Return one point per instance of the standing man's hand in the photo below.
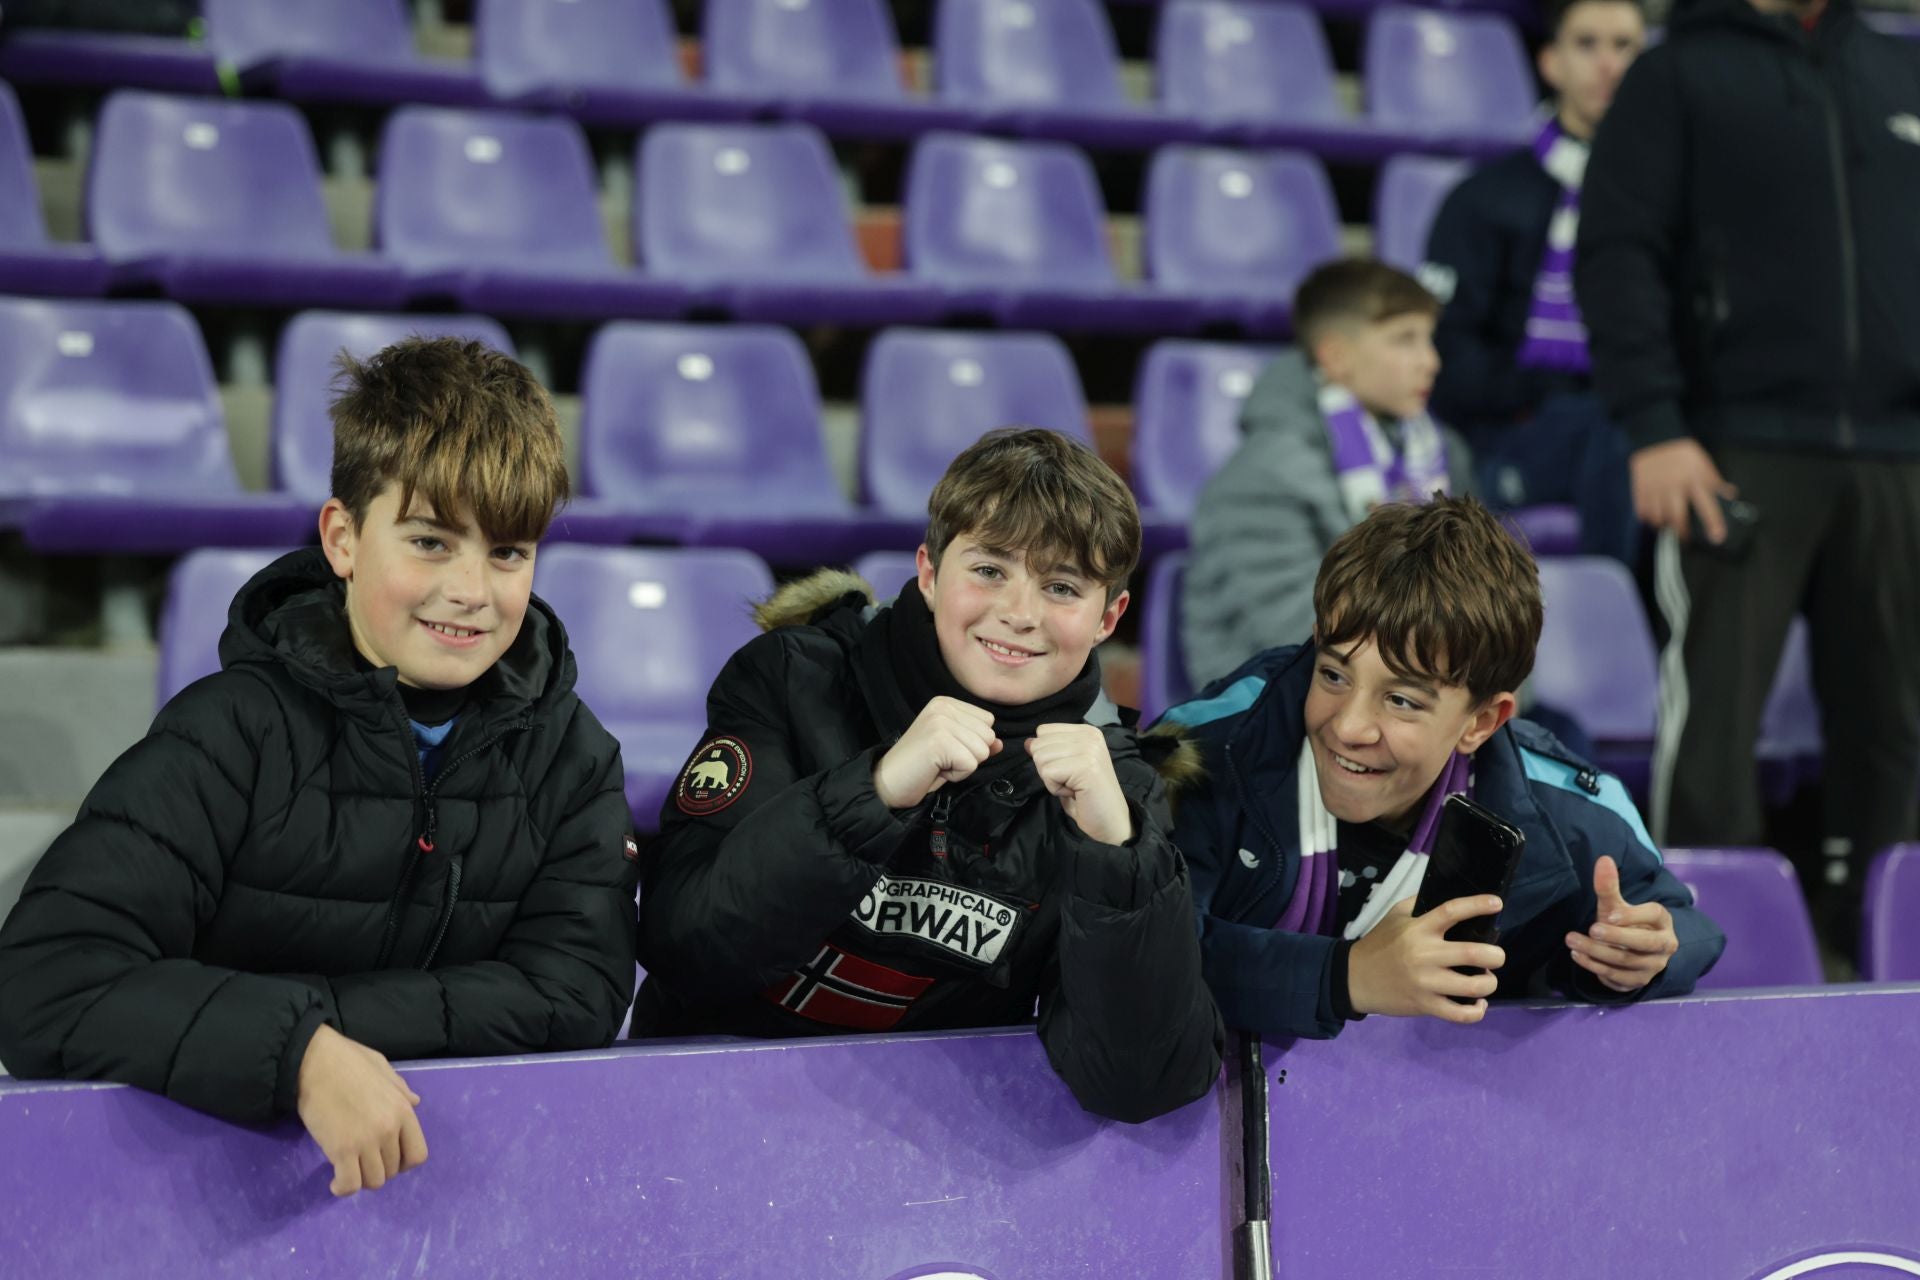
(1675, 478)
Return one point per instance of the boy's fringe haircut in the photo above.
(1356, 291)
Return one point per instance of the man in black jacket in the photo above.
(928, 815)
(387, 829)
(1748, 262)
(1514, 369)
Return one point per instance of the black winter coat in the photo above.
(783, 898)
(1749, 256)
(255, 866)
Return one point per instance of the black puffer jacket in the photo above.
(1749, 242)
(783, 898)
(255, 866)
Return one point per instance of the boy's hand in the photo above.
(1073, 761)
(946, 742)
(1674, 478)
(359, 1111)
(1404, 966)
(1627, 946)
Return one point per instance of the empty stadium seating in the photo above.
(358, 51)
(1187, 401)
(1753, 895)
(1889, 942)
(29, 261)
(199, 592)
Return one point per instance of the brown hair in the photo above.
(1557, 11)
(1356, 291)
(1043, 494)
(1442, 589)
(461, 423)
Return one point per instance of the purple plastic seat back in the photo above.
(21, 225)
(202, 176)
(199, 591)
(752, 201)
(488, 188)
(651, 627)
(704, 418)
(523, 46)
(887, 571)
(1163, 664)
(1753, 895)
(926, 395)
(108, 398)
(1238, 222)
(983, 211)
(823, 48)
(247, 33)
(1431, 70)
(1243, 60)
(1187, 403)
(1409, 192)
(1596, 661)
(1889, 942)
(1790, 725)
(1026, 52)
(302, 454)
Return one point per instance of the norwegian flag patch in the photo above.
(847, 991)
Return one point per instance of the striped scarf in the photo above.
(1371, 470)
(1556, 335)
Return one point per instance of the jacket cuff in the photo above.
(1654, 424)
(286, 1089)
(855, 814)
(1339, 995)
(1590, 990)
(1120, 876)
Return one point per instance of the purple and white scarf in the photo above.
(1316, 890)
(1556, 334)
(1370, 469)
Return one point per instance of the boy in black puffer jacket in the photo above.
(387, 829)
(928, 815)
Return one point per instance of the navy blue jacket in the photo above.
(1240, 836)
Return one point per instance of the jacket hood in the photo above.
(292, 614)
(1288, 391)
(804, 599)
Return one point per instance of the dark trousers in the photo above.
(1569, 451)
(1838, 538)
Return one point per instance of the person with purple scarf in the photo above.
(1327, 764)
(1515, 376)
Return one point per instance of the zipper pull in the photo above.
(942, 807)
(426, 838)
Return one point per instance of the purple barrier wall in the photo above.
(831, 1158)
(1724, 1136)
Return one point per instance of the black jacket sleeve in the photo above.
(734, 898)
(1479, 383)
(1632, 216)
(1125, 1014)
(97, 979)
(562, 976)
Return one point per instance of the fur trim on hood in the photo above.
(804, 599)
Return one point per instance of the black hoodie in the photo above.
(269, 857)
(1749, 257)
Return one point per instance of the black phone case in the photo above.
(1475, 851)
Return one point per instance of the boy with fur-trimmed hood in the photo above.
(926, 814)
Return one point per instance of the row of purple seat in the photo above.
(220, 203)
(1234, 71)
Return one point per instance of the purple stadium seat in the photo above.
(887, 571)
(1754, 896)
(1018, 230)
(113, 436)
(498, 211)
(302, 453)
(1596, 661)
(1186, 405)
(1163, 667)
(711, 436)
(1238, 230)
(927, 395)
(219, 202)
(753, 217)
(108, 60)
(834, 63)
(1549, 530)
(1246, 67)
(1043, 67)
(29, 262)
(1791, 745)
(650, 629)
(339, 51)
(1889, 940)
(1462, 77)
(199, 592)
(1406, 197)
(606, 62)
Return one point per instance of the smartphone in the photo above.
(1741, 518)
(1475, 851)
